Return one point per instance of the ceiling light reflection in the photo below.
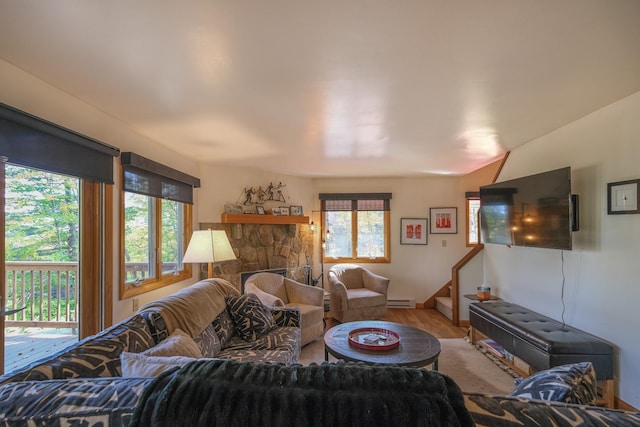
(355, 125)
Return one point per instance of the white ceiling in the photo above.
(333, 88)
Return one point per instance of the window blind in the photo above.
(355, 201)
(144, 176)
(29, 141)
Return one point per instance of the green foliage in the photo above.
(32, 288)
(49, 311)
(171, 230)
(42, 216)
(139, 214)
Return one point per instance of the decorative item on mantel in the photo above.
(234, 208)
(259, 196)
(263, 205)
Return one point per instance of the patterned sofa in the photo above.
(85, 386)
(230, 393)
(199, 310)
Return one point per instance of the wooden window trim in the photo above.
(468, 217)
(159, 280)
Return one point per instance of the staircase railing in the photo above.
(455, 282)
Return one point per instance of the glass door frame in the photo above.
(95, 260)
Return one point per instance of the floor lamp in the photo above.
(209, 246)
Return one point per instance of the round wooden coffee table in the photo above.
(417, 347)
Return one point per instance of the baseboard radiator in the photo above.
(401, 303)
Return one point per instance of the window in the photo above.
(50, 154)
(153, 226)
(156, 225)
(356, 227)
(473, 219)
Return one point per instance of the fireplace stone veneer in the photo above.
(263, 247)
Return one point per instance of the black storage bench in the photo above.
(541, 341)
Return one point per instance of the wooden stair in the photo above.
(441, 301)
(444, 305)
(445, 300)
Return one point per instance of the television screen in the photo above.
(531, 211)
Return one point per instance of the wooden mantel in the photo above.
(229, 218)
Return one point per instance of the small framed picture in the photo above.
(622, 197)
(444, 220)
(284, 210)
(296, 210)
(260, 210)
(275, 211)
(413, 231)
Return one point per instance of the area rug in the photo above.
(469, 367)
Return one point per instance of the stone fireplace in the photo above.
(263, 247)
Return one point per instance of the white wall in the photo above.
(222, 185)
(25, 92)
(601, 290)
(469, 278)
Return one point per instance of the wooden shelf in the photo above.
(228, 218)
(521, 370)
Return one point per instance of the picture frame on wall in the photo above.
(444, 220)
(413, 231)
(296, 210)
(284, 210)
(622, 197)
(260, 210)
(275, 211)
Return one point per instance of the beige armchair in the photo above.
(356, 293)
(274, 290)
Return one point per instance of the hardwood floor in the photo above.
(427, 319)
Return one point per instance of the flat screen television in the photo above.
(534, 211)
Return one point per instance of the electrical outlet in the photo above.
(136, 304)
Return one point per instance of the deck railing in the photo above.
(47, 291)
(136, 272)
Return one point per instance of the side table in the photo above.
(474, 297)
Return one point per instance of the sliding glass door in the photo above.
(42, 258)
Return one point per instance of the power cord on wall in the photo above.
(562, 289)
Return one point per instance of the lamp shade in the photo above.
(209, 246)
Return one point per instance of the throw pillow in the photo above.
(223, 325)
(250, 317)
(208, 342)
(574, 383)
(179, 343)
(138, 365)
